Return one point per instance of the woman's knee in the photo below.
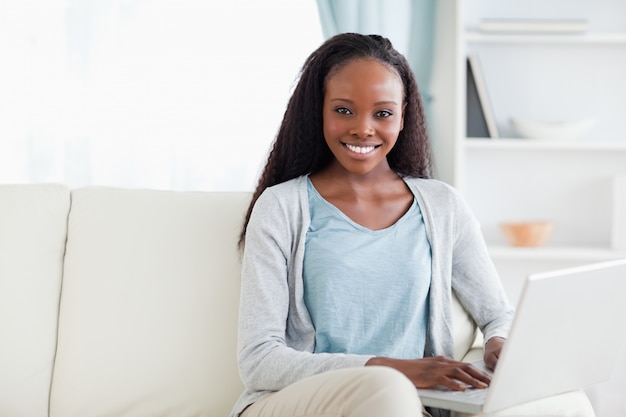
(384, 391)
(381, 377)
(352, 392)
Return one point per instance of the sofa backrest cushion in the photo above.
(33, 224)
(148, 317)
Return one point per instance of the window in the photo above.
(181, 95)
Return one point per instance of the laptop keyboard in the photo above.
(473, 393)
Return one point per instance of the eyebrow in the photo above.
(378, 103)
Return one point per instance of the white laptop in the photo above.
(566, 334)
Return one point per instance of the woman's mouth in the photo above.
(361, 149)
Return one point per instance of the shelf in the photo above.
(555, 253)
(568, 180)
(587, 38)
(543, 145)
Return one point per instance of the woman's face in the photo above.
(363, 115)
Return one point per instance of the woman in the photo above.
(351, 252)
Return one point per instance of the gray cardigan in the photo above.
(276, 336)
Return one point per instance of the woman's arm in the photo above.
(477, 284)
(493, 347)
(270, 356)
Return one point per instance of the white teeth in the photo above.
(360, 149)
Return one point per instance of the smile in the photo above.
(361, 149)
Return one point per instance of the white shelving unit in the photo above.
(594, 38)
(537, 77)
(581, 185)
(517, 144)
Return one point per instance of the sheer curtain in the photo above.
(183, 94)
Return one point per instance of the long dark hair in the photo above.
(300, 149)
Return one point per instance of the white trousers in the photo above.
(376, 391)
(372, 391)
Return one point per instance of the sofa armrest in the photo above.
(465, 329)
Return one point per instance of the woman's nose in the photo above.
(362, 128)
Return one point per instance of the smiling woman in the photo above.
(158, 94)
(351, 251)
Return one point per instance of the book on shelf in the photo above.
(555, 26)
(481, 122)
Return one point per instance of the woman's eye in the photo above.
(383, 114)
(343, 110)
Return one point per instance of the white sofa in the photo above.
(119, 302)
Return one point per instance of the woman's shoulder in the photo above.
(432, 187)
(289, 189)
(434, 194)
(285, 194)
(289, 185)
(280, 205)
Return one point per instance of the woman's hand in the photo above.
(492, 352)
(437, 371)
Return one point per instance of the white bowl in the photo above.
(552, 130)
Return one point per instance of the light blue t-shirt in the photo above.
(366, 290)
